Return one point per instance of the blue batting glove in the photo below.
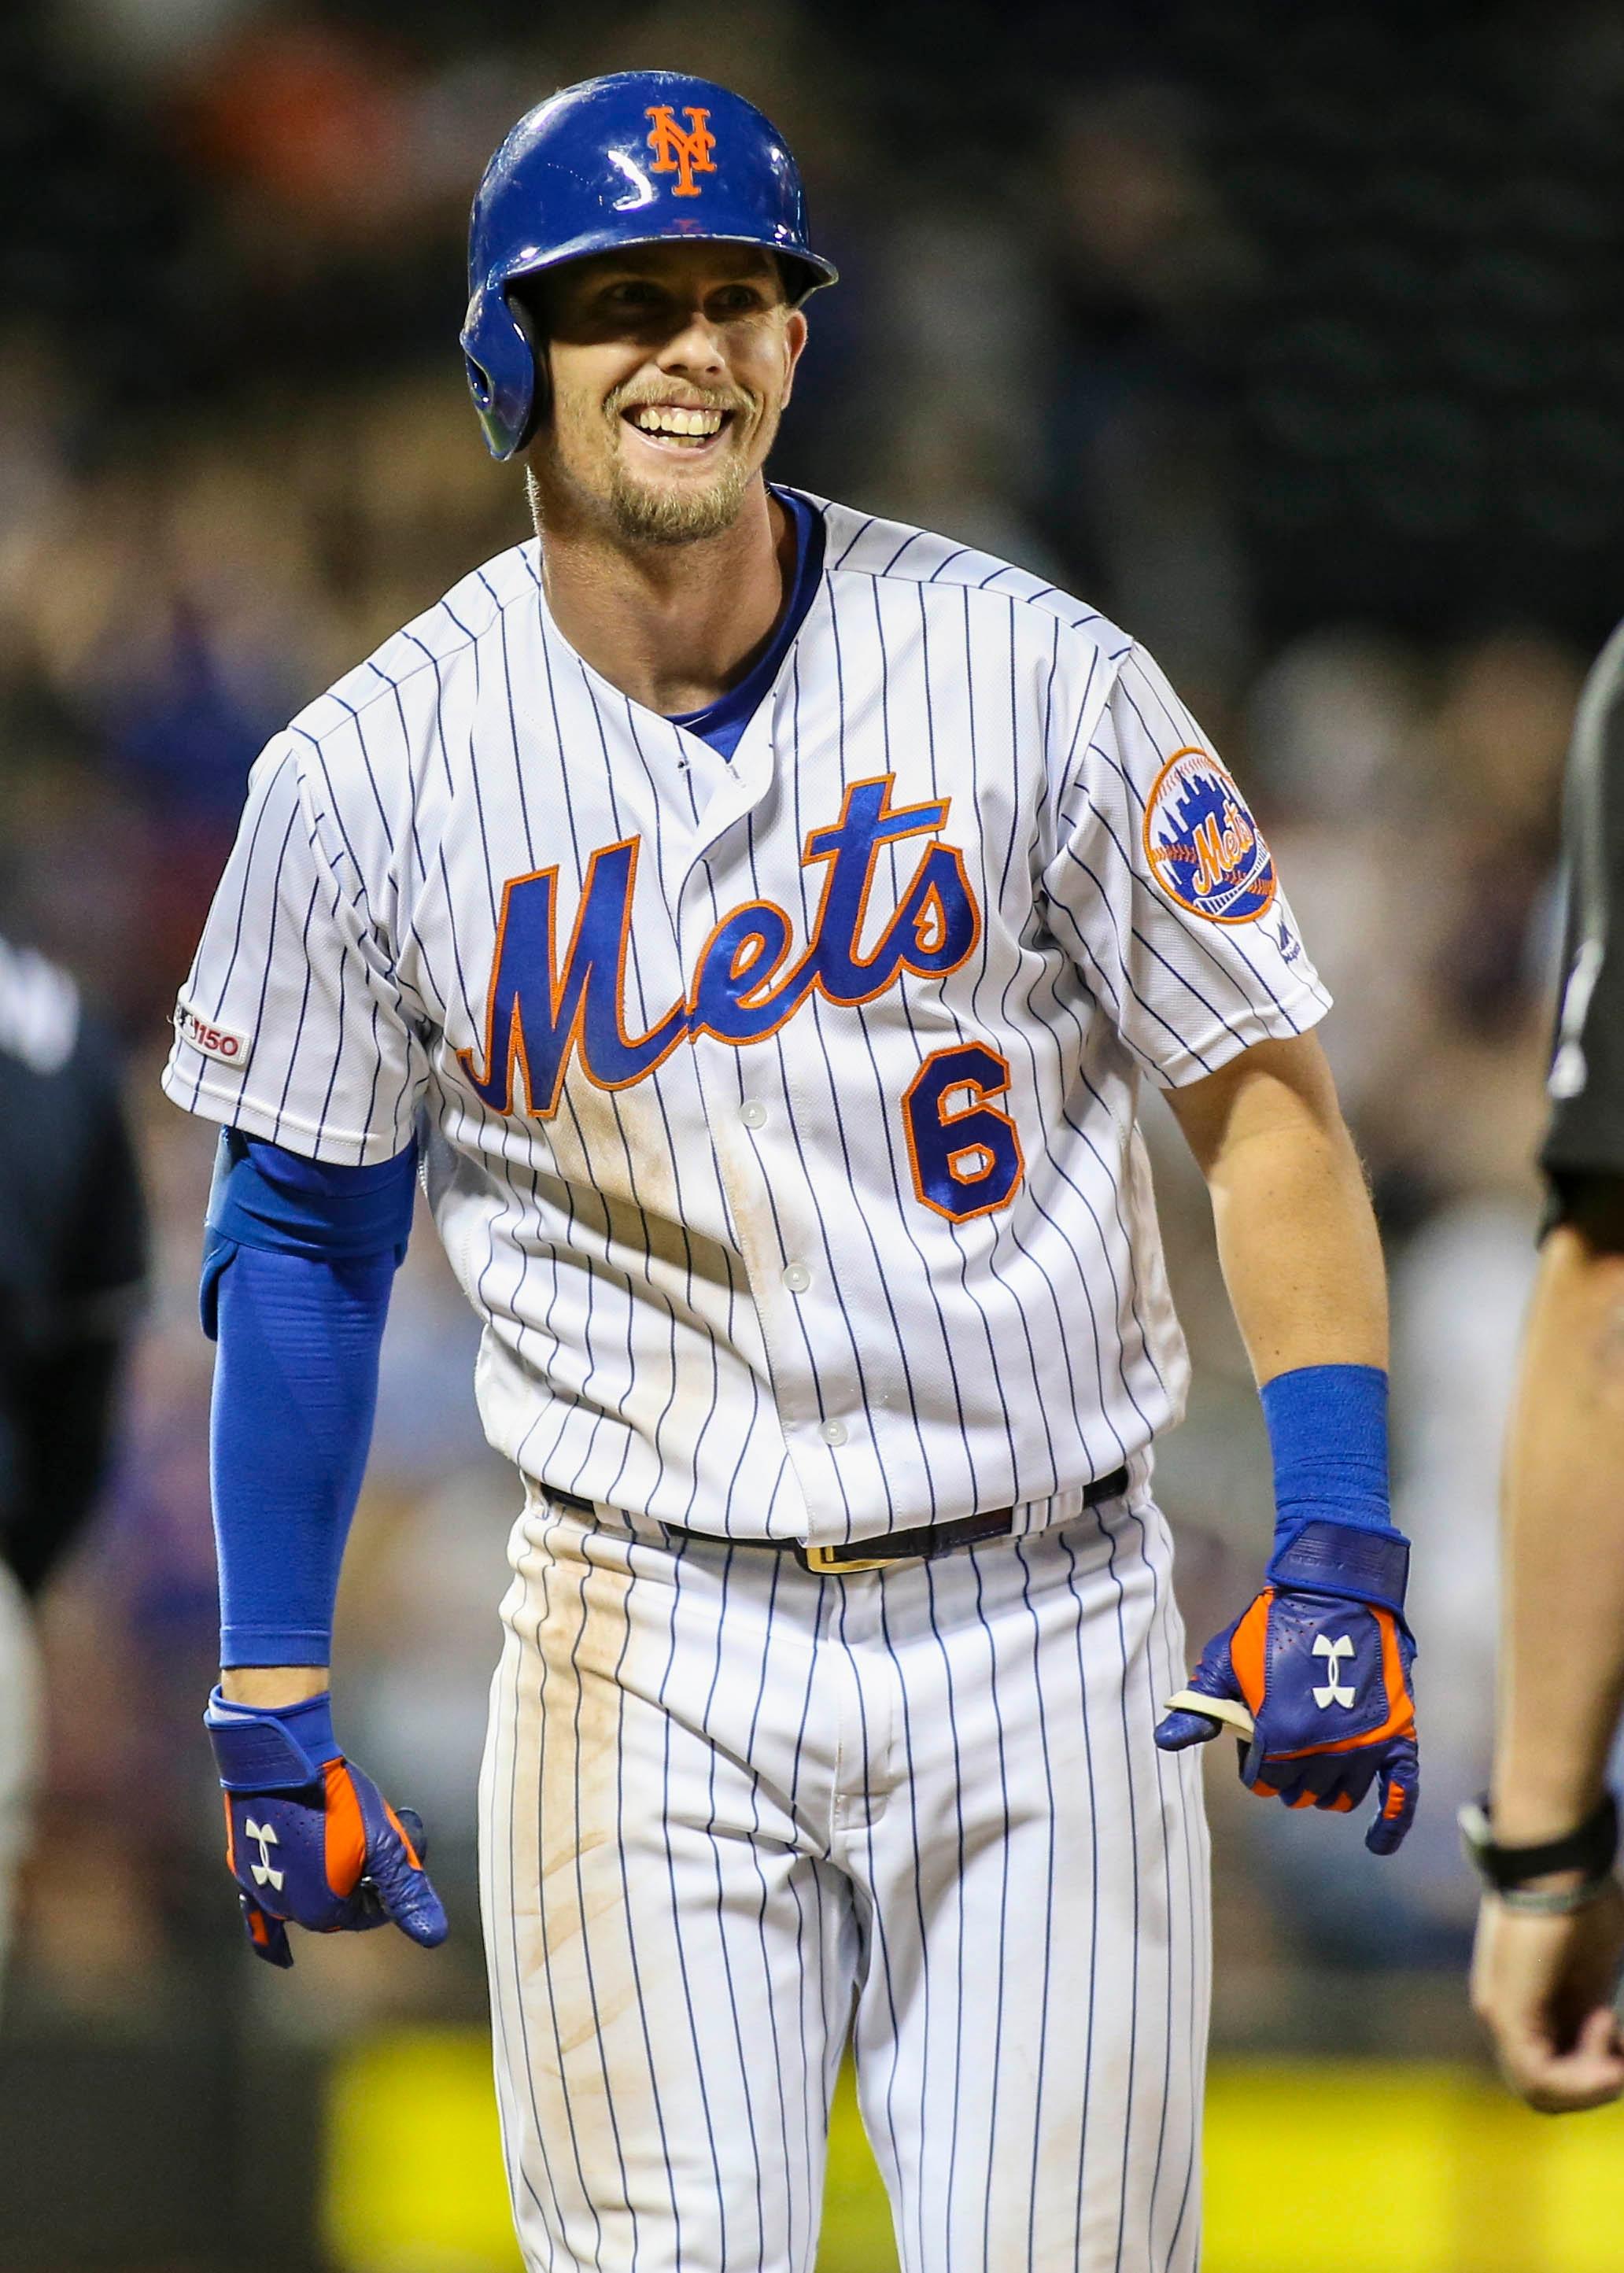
(309, 1838)
(1314, 1678)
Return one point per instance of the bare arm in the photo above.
(1564, 1538)
(1296, 1237)
(1302, 1261)
(1544, 1986)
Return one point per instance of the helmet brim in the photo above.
(813, 270)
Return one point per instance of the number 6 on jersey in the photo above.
(965, 1157)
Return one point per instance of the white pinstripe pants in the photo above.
(727, 1805)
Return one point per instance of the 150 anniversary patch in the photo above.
(1203, 848)
(214, 1041)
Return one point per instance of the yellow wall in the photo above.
(1360, 2167)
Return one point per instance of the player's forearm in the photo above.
(1296, 1237)
(1301, 1256)
(1297, 1241)
(296, 1384)
(1562, 1622)
(297, 1279)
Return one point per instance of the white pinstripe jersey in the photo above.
(778, 1110)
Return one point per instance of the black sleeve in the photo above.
(1586, 1133)
(90, 1254)
(102, 1253)
(61, 1453)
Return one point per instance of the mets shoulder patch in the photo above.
(1203, 846)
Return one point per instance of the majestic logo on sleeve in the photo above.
(1203, 848)
(746, 981)
(680, 154)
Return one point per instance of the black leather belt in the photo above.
(924, 1540)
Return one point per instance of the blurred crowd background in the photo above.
(1292, 337)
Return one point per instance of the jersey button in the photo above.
(797, 1278)
(753, 1113)
(833, 1432)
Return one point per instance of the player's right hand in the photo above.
(310, 1839)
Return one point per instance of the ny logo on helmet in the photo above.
(680, 154)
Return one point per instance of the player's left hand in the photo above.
(1544, 1989)
(1317, 1685)
(310, 1839)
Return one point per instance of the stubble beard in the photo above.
(638, 511)
(645, 513)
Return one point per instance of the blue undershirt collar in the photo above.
(723, 722)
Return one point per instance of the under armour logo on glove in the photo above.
(1274, 1674)
(346, 1861)
(265, 1835)
(1333, 1652)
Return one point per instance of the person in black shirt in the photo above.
(1551, 1930)
(72, 1258)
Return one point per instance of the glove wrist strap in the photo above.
(1361, 1565)
(264, 1748)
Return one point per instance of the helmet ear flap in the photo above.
(502, 369)
(524, 306)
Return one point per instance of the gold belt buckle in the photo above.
(821, 1560)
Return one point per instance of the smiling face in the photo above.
(669, 365)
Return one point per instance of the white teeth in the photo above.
(672, 418)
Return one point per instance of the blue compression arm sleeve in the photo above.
(297, 1268)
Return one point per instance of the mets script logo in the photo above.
(746, 981)
(680, 154)
(1204, 849)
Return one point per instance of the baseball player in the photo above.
(72, 1259)
(1551, 1931)
(758, 918)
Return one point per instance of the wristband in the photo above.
(1328, 1428)
(1550, 1903)
(1508, 1870)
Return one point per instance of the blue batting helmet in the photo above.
(631, 159)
